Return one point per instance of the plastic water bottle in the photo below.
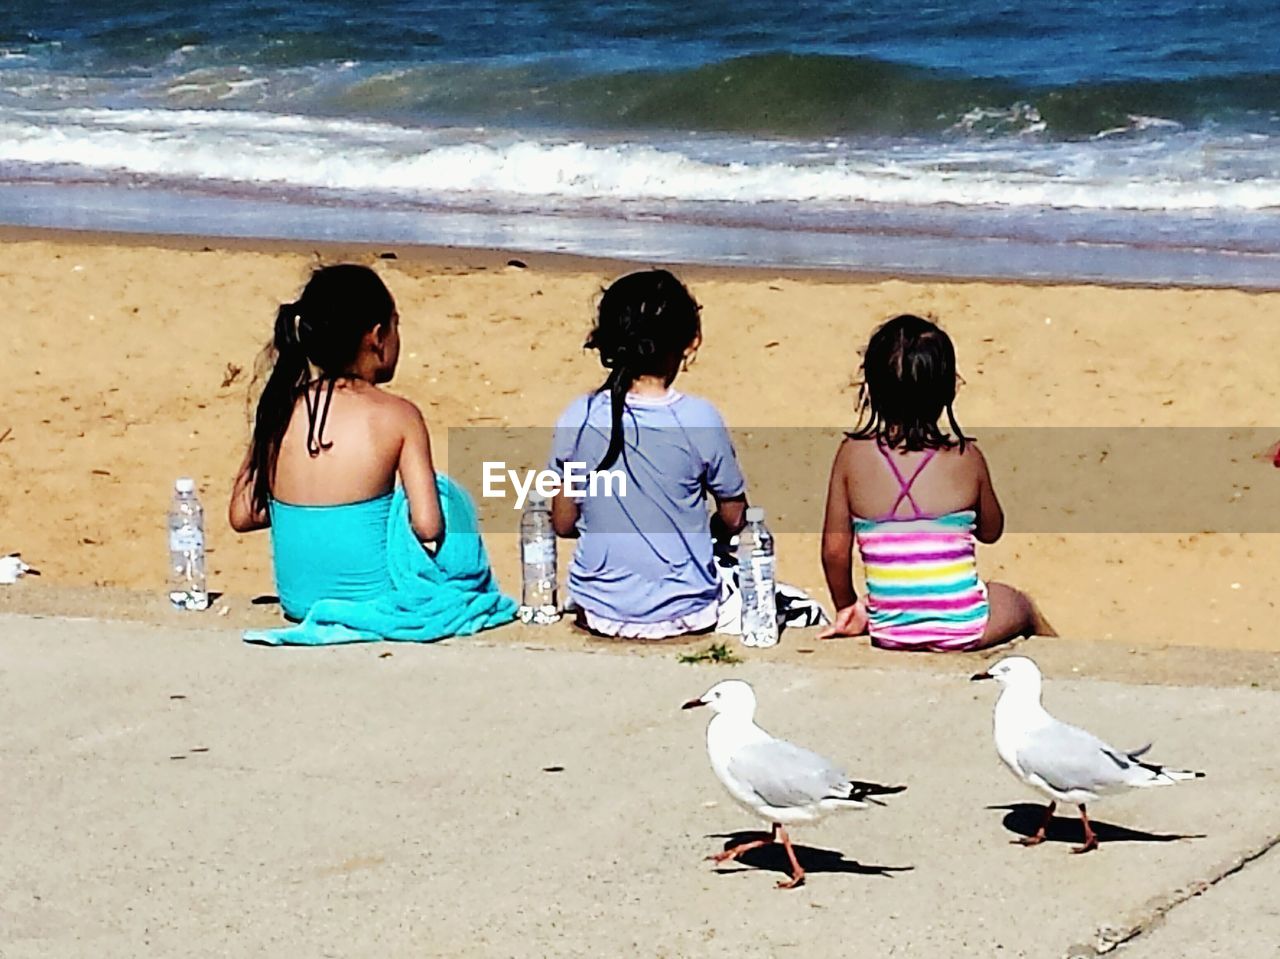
(187, 586)
(537, 563)
(755, 575)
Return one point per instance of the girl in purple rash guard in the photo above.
(643, 567)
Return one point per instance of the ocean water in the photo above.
(1105, 139)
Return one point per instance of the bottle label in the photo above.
(759, 605)
(760, 569)
(539, 552)
(186, 539)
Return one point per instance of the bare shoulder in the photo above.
(972, 458)
(854, 453)
(847, 454)
(404, 411)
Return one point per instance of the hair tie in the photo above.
(288, 325)
(302, 329)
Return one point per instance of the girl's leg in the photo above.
(1012, 614)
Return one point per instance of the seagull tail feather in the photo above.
(1163, 776)
(1179, 774)
(863, 792)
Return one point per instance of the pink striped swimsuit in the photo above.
(923, 590)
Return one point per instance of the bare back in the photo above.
(894, 484)
(874, 483)
(364, 440)
(360, 447)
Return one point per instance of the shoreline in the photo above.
(918, 253)
(428, 256)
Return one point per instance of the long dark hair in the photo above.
(324, 329)
(908, 380)
(644, 324)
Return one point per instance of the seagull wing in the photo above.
(786, 776)
(1067, 758)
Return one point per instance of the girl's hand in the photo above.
(850, 621)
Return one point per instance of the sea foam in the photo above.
(1178, 171)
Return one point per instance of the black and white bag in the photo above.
(795, 606)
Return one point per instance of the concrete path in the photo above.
(1239, 917)
(170, 792)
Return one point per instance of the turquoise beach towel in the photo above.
(452, 593)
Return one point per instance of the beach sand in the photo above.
(129, 361)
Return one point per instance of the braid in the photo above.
(618, 384)
(645, 322)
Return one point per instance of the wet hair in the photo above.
(322, 329)
(908, 381)
(645, 322)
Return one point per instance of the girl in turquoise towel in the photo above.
(329, 443)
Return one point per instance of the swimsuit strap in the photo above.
(904, 484)
(315, 424)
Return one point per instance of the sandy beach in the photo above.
(1083, 196)
(130, 361)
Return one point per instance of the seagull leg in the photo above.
(1038, 838)
(797, 874)
(733, 852)
(1090, 838)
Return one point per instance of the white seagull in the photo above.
(780, 782)
(1062, 762)
(12, 569)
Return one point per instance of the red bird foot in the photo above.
(796, 880)
(1090, 842)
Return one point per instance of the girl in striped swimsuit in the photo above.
(914, 499)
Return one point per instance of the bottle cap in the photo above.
(184, 485)
(535, 499)
(755, 514)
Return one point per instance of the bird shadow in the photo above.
(1024, 819)
(773, 858)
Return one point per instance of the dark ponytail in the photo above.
(323, 329)
(289, 375)
(645, 322)
(619, 385)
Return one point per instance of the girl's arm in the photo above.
(240, 512)
(564, 516)
(837, 534)
(418, 477)
(990, 521)
(729, 518)
(723, 479)
(837, 552)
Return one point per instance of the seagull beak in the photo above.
(693, 704)
(976, 676)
